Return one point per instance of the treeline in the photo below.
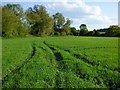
(37, 21)
(111, 31)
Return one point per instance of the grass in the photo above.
(0, 63)
(0, 59)
(60, 62)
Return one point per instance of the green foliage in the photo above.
(9, 23)
(90, 33)
(40, 21)
(74, 31)
(12, 21)
(66, 27)
(55, 62)
(0, 62)
(37, 21)
(61, 25)
(59, 20)
(15, 9)
(113, 30)
(23, 30)
(83, 29)
(96, 33)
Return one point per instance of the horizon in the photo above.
(96, 15)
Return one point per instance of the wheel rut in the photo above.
(56, 53)
(18, 68)
(78, 56)
(58, 58)
(84, 59)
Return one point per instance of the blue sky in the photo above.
(96, 14)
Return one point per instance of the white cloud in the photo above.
(86, 8)
(57, 0)
(80, 12)
(79, 5)
(100, 18)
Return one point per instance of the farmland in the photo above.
(60, 62)
(0, 58)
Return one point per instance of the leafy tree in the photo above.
(9, 22)
(59, 21)
(23, 30)
(66, 27)
(12, 20)
(96, 33)
(61, 25)
(91, 33)
(83, 29)
(39, 20)
(113, 30)
(74, 31)
(16, 9)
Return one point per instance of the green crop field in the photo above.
(60, 62)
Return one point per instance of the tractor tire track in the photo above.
(78, 56)
(89, 48)
(18, 68)
(58, 58)
(58, 80)
(57, 54)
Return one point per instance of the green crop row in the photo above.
(60, 62)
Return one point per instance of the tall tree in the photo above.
(59, 21)
(74, 31)
(16, 9)
(40, 21)
(12, 20)
(9, 22)
(66, 27)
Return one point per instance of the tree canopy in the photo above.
(83, 29)
(39, 20)
(113, 30)
(59, 20)
(12, 21)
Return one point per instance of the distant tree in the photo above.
(59, 20)
(90, 33)
(66, 27)
(113, 30)
(40, 21)
(61, 24)
(96, 33)
(74, 31)
(83, 29)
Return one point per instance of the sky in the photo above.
(95, 13)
